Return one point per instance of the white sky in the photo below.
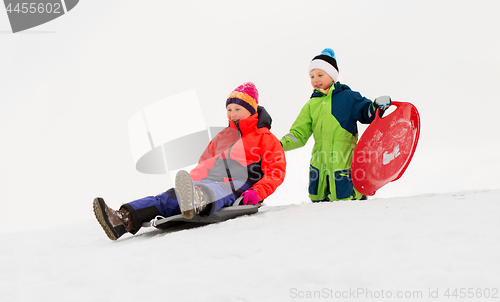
(69, 87)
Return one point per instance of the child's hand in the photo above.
(250, 197)
(382, 103)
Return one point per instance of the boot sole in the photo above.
(100, 215)
(185, 193)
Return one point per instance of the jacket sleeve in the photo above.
(300, 132)
(363, 110)
(273, 166)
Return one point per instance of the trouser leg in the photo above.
(147, 208)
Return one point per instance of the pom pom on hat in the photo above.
(328, 52)
(245, 95)
(250, 89)
(327, 62)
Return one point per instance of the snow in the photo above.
(412, 244)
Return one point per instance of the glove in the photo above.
(250, 197)
(382, 103)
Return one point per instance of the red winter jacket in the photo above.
(246, 153)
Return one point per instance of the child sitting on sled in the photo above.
(330, 116)
(242, 160)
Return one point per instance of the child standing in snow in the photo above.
(242, 160)
(330, 116)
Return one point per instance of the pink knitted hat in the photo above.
(245, 95)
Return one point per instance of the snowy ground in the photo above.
(71, 86)
(363, 251)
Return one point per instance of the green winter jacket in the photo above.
(331, 119)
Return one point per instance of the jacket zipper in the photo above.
(228, 157)
(239, 137)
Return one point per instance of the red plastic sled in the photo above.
(385, 149)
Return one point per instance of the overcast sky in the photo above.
(70, 87)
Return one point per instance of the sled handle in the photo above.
(237, 201)
(395, 103)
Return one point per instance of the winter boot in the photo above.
(114, 223)
(204, 200)
(192, 199)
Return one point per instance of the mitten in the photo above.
(382, 103)
(250, 197)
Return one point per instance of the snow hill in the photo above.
(418, 248)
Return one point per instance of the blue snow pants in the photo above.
(165, 204)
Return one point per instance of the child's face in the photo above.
(320, 79)
(236, 112)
